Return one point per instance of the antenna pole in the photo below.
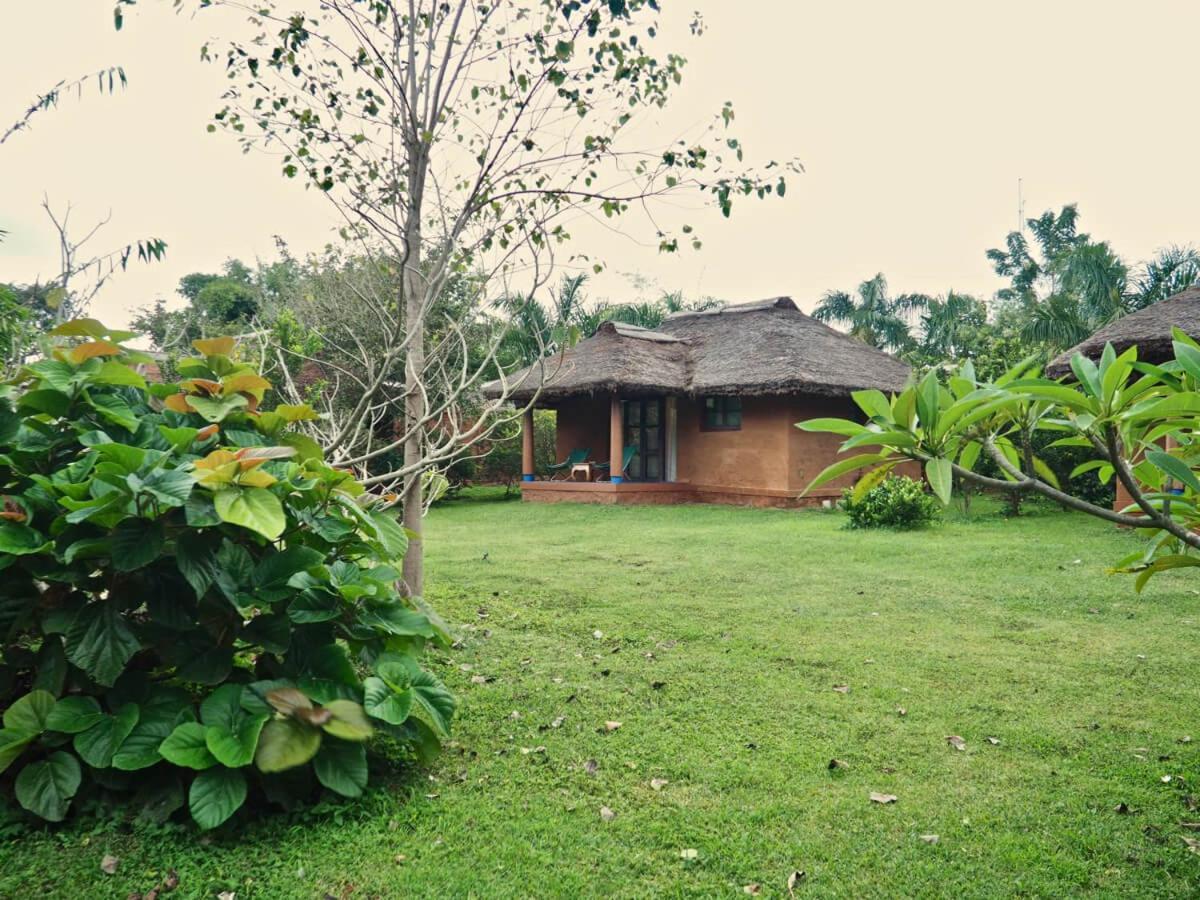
(1020, 208)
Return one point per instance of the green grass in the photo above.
(723, 634)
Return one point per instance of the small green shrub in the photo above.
(895, 502)
(193, 604)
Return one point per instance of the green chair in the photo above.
(626, 458)
(574, 458)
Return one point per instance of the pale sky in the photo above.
(914, 122)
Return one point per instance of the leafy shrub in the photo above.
(895, 502)
(192, 602)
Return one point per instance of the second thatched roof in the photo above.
(1149, 328)
(768, 347)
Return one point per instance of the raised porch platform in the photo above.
(647, 492)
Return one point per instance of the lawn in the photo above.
(716, 638)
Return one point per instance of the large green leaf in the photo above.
(432, 698)
(396, 619)
(231, 732)
(254, 508)
(349, 721)
(136, 543)
(29, 713)
(384, 703)
(169, 487)
(215, 409)
(342, 767)
(186, 746)
(832, 426)
(100, 642)
(390, 533)
(277, 568)
(17, 539)
(196, 557)
(1175, 467)
(873, 403)
(97, 745)
(71, 715)
(1188, 357)
(841, 467)
(314, 606)
(114, 409)
(12, 745)
(51, 665)
(160, 713)
(215, 795)
(941, 478)
(118, 374)
(46, 787)
(285, 744)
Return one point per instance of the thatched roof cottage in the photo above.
(702, 408)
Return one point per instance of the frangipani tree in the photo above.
(1139, 422)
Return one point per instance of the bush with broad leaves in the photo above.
(893, 501)
(194, 606)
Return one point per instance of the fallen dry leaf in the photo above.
(109, 864)
(1192, 843)
(838, 764)
(401, 859)
(877, 797)
(794, 879)
(1191, 826)
(591, 766)
(689, 854)
(607, 814)
(227, 895)
(611, 726)
(1186, 739)
(597, 634)
(956, 742)
(842, 688)
(901, 711)
(1166, 779)
(1122, 809)
(658, 783)
(557, 723)
(992, 740)
(172, 880)
(930, 838)
(479, 679)
(752, 889)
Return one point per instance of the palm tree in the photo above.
(1172, 270)
(947, 324)
(872, 316)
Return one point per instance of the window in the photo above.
(722, 414)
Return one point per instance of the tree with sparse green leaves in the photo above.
(1138, 423)
(465, 138)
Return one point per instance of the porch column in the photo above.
(527, 445)
(616, 446)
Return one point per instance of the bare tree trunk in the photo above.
(414, 411)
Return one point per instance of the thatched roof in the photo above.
(768, 347)
(1149, 328)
